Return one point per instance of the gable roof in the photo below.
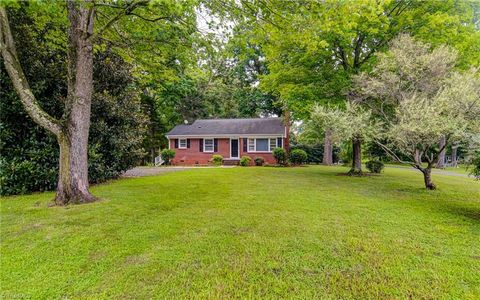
(225, 127)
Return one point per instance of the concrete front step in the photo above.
(230, 162)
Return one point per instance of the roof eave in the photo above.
(242, 135)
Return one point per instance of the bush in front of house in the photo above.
(259, 161)
(245, 161)
(217, 159)
(167, 155)
(280, 156)
(298, 157)
(374, 166)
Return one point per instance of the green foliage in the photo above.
(346, 153)
(313, 50)
(259, 161)
(354, 122)
(217, 159)
(422, 98)
(298, 156)
(475, 171)
(245, 161)
(314, 152)
(280, 156)
(374, 166)
(168, 155)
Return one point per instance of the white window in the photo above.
(251, 145)
(182, 143)
(273, 144)
(262, 144)
(208, 145)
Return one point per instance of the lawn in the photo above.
(248, 233)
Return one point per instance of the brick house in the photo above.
(231, 138)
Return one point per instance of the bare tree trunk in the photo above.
(73, 170)
(73, 173)
(357, 157)
(441, 155)
(427, 177)
(328, 149)
(454, 156)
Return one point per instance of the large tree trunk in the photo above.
(73, 169)
(73, 172)
(427, 177)
(441, 155)
(357, 157)
(328, 149)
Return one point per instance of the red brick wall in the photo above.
(192, 155)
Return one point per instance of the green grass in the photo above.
(248, 233)
(462, 169)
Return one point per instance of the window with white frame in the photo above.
(262, 144)
(251, 145)
(273, 144)
(208, 145)
(182, 143)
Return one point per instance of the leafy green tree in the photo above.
(72, 128)
(313, 49)
(29, 156)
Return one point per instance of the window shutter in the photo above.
(245, 145)
(176, 143)
(188, 143)
(200, 145)
(279, 142)
(215, 145)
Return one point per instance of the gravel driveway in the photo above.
(150, 171)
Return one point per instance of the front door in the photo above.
(234, 148)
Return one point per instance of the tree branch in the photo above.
(147, 19)
(392, 154)
(20, 83)
(128, 9)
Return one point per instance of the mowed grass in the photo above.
(248, 233)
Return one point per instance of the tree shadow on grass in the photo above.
(471, 213)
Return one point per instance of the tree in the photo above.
(29, 155)
(313, 49)
(352, 124)
(72, 129)
(420, 98)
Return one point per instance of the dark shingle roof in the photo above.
(259, 126)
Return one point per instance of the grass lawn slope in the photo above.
(248, 232)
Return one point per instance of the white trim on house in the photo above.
(180, 143)
(213, 145)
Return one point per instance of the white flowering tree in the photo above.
(351, 124)
(421, 99)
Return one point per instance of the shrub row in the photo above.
(297, 157)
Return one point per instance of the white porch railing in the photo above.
(159, 161)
